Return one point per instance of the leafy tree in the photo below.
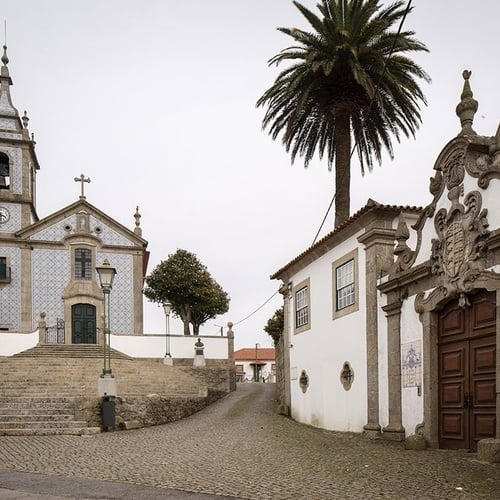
(328, 95)
(214, 301)
(275, 325)
(186, 283)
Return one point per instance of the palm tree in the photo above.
(349, 80)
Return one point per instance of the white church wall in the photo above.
(10, 293)
(12, 343)
(181, 346)
(322, 351)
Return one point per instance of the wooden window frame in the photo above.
(339, 263)
(306, 286)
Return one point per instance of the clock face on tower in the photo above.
(4, 215)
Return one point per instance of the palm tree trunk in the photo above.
(342, 167)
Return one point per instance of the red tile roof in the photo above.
(248, 354)
(370, 205)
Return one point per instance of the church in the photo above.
(48, 265)
(391, 324)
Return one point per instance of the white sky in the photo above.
(155, 102)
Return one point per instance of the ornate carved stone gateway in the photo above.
(459, 252)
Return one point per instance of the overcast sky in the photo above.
(155, 102)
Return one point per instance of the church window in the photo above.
(302, 306)
(83, 264)
(4, 270)
(4, 171)
(345, 284)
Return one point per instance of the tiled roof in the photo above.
(370, 205)
(248, 354)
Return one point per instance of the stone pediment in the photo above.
(81, 220)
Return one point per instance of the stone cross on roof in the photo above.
(82, 180)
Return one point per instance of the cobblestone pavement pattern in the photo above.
(238, 447)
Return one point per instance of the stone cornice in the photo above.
(377, 236)
(405, 278)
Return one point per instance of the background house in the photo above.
(255, 364)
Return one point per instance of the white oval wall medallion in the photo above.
(347, 375)
(304, 381)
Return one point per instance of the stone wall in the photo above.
(134, 412)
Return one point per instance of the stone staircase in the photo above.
(43, 389)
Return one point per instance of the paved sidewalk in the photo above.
(239, 448)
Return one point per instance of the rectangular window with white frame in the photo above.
(302, 308)
(345, 284)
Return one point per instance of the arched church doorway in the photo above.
(467, 371)
(83, 324)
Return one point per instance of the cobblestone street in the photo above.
(240, 448)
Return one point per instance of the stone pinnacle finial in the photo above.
(467, 107)
(5, 59)
(25, 119)
(137, 217)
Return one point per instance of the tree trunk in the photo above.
(186, 318)
(342, 167)
(196, 329)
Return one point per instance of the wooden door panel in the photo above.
(483, 358)
(452, 394)
(453, 360)
(452, 321)
(453, 426)
(483, 312)
(467, 372)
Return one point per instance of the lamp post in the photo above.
(167, 308)
(106, 276)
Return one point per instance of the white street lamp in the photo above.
(167, 308)
(106, 276)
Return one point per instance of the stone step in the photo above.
(52, 399)
(31, 417)
(75, 431)
(70, 351)
(20, 411)
(41, 424)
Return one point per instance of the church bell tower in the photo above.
(18, 162)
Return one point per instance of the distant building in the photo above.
(256, 364)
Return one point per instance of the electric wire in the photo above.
(256, 310)
(369, 109)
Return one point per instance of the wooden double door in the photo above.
(83, 324)
(467, 373)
